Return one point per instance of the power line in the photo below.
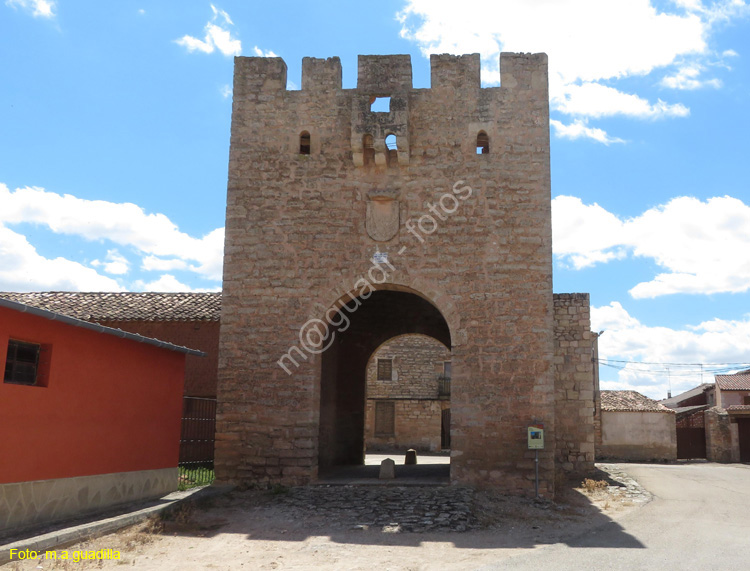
(743, 364)
(667, 369)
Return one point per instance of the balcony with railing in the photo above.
(444, 386)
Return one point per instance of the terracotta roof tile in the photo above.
(630, 401)
(738, 382)
(739, 407)
(147, 306)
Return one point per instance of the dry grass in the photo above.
(592, 486)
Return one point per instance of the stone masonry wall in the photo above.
(470, 233)
(722, 437)
(417, 426)
(574, 383)
(417, 362)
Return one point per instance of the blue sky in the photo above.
(114, 139)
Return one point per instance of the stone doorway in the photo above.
(385, 314)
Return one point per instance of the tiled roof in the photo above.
(675, 401)
(630, 401)
(125, 306)
(738, 382)
(59, 317)
(688, 410)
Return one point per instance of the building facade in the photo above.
(90, 416)
(408, 395)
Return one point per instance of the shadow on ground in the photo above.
(410, 515)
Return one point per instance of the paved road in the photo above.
(699, 519)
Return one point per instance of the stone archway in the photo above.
(383, 315)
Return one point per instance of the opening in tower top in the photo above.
(380, 105)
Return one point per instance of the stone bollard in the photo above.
(387, 469)
(411, 457)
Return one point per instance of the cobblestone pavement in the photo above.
(394, 509)
(435, 508)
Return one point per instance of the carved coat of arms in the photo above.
(383, 218)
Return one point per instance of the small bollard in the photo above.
(387, 469)
(411, 457)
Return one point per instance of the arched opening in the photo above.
(483, 143)
(391, 145)
(368, 149)
(304, 143)
(384, 315)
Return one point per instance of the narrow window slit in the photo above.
(304, 143)
(391, 145)
(368, 149)
(483, 143)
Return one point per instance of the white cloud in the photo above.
(37, 8)
(22, 268)
(153, 236)
(585, 235)
(661, 354)
(115, 263)
(226, 91)
(167, 282)
(260, 53)
(591, 44)
(688, 77)
(154, 263)
(217, 36)
(596, 100)
(578, 129)
(703, 246)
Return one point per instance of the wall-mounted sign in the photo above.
(536, 437)
(380, 258)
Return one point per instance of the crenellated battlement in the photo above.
(382, 75)
(321, 74)
(457, 72)
(455, 113)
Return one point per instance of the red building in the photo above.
(185, 319)
(90, 415)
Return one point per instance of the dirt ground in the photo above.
(260, 530)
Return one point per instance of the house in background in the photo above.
(635, 427)
(728, 424)
(185, 319)
(713, 419)
(703, 394)
(90, 416)
(408, 395)
(690, 408)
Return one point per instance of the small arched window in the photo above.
(483, 143)
(391, 145)
(304, 143)
(368, 149)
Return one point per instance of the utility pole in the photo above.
(669, 379)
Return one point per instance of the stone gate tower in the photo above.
(348, 225)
